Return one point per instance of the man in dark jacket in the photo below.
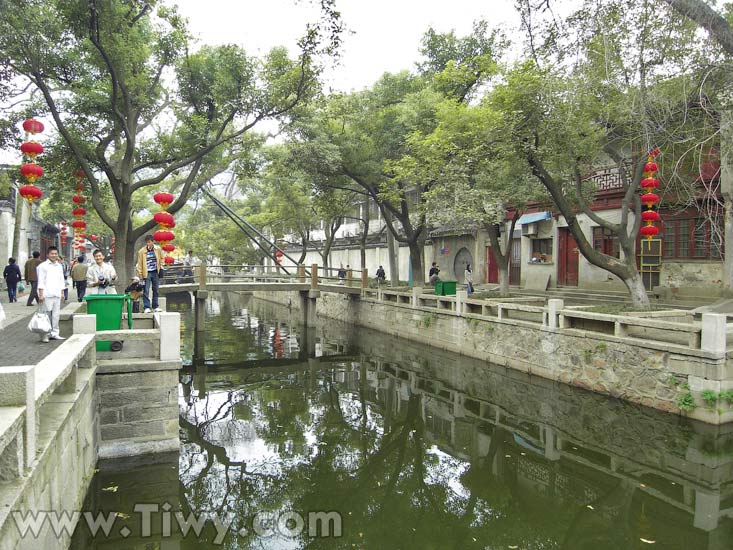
(31, 277)
(12, 277)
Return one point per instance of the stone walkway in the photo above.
(19, 346)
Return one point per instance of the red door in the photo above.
(492, 269)
(567, 274)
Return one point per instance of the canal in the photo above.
(336, 437)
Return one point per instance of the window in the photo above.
(541, 251)
(693, 237)
(606, 242)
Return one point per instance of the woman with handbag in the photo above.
(12, 277)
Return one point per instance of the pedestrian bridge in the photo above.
(259, 278)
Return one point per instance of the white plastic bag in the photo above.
(2, 316)
(40, 323)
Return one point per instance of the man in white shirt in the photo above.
(51, 284)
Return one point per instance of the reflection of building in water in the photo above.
(548, 461)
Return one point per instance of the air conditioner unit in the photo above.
(529, 230)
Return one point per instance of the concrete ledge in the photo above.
(123, 335)
(140, 447)
(134, 365)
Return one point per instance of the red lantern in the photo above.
(168, 247)
(650, 216)
(649, 231)
(649, 183)
(78, 224)
(654, 152)
(79, 212)
(163, 236)
(92, 238)
(33, 126)
(651, 166)
(79, 174)
(163, 199)
(169, 260)
(31, 148)
(164, 219)
(78, 199)
(31, 172)
(30, 193)
(649, 199)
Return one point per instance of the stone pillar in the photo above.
(553, 306)
(202, 276)
(364, 278)
(461, 297)
(199, 306)
(170, 335)
(713, 333)
(301, 273)
(19, 390)
(416, 291)
(314, 276)
(707, 510)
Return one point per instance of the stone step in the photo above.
(126, 335)
(125, 365)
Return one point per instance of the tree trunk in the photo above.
(19, 205)
(726, 188)
(502, 257)
(503, 279)
(637, 291)
(394, 263)
(416, 252)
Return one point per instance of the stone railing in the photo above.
(713, 334)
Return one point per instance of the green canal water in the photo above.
(337, 437)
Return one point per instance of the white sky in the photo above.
(386, 34)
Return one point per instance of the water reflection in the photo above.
(416, 448)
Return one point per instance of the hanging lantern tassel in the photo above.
(649, 184)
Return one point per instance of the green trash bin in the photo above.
(449, 288)
(108, 309)
(439, 288)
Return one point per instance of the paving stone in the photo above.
(19, 346)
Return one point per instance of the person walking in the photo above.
(51, 284)
(468, 277)
(67, 271)
(433, 274)
(101, 276)
(149, 262)
(341, 274)
(381, 276)
(31, 277)
(79, 277)
(12, 277)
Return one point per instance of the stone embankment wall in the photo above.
(653, 374)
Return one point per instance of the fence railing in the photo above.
(25, 389)
(712, 334)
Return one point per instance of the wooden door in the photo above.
(515, 263)
(568, 254)
(492, 268)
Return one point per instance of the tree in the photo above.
(719, 27)
(611, 103)
(134, 109)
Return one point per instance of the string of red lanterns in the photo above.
(79, 211)
(165, 222)
(64, 230)
(649, 184)
(30, 170)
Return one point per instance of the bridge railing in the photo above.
(314, 274)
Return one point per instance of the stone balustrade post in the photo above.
(314, 276)
(19, 390)
(364, 278)
(170, 335)
(301, 273)
(461, 297)
(713, 337)
(349, 276)
(416, 296)
(553, 306)
(202, 276)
